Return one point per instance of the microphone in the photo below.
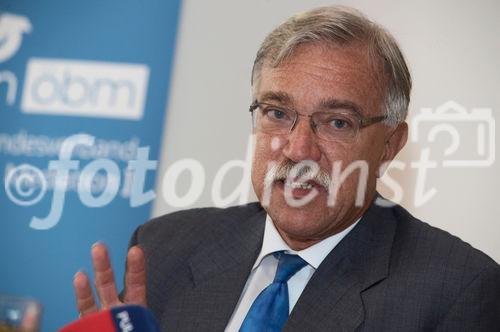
(128, 318)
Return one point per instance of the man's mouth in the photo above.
(300, 185)
(297, 180)
(296, 184)
(299, 189)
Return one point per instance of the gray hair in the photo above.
(342, 26)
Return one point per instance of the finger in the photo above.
(104, 277)
(135, 277)
(85, 302)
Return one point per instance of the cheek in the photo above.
(267, 150)
(370, 153)
(374, 152)
(336, 153)
(272, 144)
(369, 149)
(350, 159)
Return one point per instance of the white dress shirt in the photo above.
(265, 266)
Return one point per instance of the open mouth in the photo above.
(300, 185)
(299, 189)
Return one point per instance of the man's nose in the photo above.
(302, 142)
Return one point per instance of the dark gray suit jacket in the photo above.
(392, 272)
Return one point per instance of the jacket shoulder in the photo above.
(436, 245)
(445, 264)
(190, 225)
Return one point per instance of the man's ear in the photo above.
(394, 143)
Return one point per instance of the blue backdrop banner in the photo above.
(83, 93)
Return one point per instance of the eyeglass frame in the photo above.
(363, 121)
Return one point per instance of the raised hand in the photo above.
(135, 281)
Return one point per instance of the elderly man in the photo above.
(321, 251)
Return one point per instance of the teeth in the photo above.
(300, 185)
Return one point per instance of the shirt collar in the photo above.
(313, 255)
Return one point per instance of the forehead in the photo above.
(315, 73)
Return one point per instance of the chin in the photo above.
(313, 221)
(304, 221)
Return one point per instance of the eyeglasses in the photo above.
(334, 126)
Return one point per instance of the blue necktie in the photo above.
(269, 311)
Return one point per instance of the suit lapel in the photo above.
(333, 298)
(220, 271)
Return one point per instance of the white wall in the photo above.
(454, 54)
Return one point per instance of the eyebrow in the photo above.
(333, 104)
(327, 104)
(276, 96)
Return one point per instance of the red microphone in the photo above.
(129, 318)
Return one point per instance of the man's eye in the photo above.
(276, 114)
(339, 124)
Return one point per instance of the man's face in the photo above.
(312, 78)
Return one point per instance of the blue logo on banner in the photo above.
(83, 92)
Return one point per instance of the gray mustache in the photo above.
(288, 170)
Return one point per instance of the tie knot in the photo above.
(288, 265)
